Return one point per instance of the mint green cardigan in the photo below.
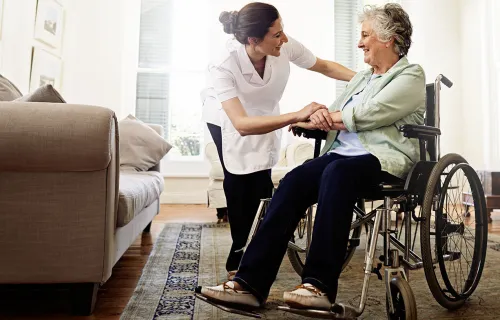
(396, 98)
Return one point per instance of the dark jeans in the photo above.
(243, 194)
(334, 182)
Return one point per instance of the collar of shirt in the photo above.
(247, 67)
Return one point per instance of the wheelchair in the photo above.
(441, 196)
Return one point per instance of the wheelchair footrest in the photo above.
(338, 311)
(231, 308)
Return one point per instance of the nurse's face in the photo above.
(273, 40)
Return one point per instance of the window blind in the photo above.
(152, 91)
(346, 36)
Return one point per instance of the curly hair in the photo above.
(390, 21)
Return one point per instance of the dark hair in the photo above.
(253, 20)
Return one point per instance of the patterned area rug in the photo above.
(187, 255)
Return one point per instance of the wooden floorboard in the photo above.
(48, 303)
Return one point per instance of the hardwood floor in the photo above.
(51, 302)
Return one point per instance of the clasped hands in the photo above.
(322, 119)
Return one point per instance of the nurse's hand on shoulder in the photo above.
(305, 113)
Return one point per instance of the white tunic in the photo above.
(235, 76)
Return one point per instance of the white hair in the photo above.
(390, 21)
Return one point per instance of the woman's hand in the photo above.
(336, 116)
(307, 111)
(322, 120)
(338, 124)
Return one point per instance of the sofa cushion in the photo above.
(8, 91)
(278, 173)
(141, 147)
(45, 93)
(137, 191)
(298, 152)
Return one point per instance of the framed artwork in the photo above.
(49, 22)
(45, 69)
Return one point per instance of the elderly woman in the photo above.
(363, 148)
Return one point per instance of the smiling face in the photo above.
(374, 49)
(273, 40)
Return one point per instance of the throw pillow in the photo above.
(45, 93)
(8, 91)
(141, 147)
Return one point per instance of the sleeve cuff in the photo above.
(348, 119)
(227, 95)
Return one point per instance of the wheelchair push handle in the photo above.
(447, 82)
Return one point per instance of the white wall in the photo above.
(480, 113)
(96, 45)
(17, 41)
(473, 113)
(437, 44)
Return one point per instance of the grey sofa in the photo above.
(67, 213)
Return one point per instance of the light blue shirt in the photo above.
(349, 143)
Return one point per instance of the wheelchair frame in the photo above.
(378, 221)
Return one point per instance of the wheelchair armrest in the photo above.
(310, 134)
(420, 132)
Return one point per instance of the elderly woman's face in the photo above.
(371, 45)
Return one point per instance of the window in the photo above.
(347, 32)
(168, 78)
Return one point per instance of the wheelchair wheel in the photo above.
(403, 300)
(299, 239)
(454, 232)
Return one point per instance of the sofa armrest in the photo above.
(54, 137)
(58, 192)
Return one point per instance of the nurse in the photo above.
(241, 108)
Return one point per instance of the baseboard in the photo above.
(184, 197)
(185, 190)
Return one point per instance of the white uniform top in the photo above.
(235, 76)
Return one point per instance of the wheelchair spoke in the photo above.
(457, 234)
(454, 233)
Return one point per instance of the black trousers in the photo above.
(333, 181)
(243, 193)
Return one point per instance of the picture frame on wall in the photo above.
(45, 69)
(49, 22)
